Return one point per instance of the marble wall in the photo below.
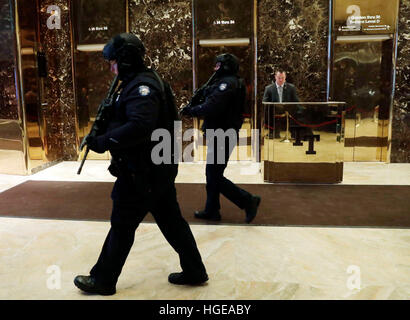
(165, 27)
(292, 35)
(8, 101)
(401, 108)
(60, 114)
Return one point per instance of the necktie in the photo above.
(280, 93)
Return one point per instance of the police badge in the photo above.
(223, 86)
(144, 91)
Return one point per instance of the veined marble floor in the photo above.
(39, 258)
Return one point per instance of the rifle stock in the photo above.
(197, 97)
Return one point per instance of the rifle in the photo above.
(198, 97)
(101, 119)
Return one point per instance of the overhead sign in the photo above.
(98, 21)
(218, 19)
(363, 16)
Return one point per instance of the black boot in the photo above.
(90, 285)
(208, 216)
(182, 278)
(252, 208)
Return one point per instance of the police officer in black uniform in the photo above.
(222, 108)
(141, 186)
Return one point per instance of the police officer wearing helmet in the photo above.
(222, 108)
(141, 186)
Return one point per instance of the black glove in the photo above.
(97, 144)
(185, 111)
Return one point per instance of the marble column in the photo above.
(165, 27)
(60, 114)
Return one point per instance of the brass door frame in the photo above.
(31, 167)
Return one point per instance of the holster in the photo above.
(119, 167)
(114, 168)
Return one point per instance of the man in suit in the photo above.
(279, 91)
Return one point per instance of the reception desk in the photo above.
(303, 142)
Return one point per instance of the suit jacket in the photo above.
(289, 93)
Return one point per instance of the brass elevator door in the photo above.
(362, 58)
(362, 76)
(94, 23)
(32, 77)
(226, 26)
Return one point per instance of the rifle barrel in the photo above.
(82, 161)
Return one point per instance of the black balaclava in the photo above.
(128, 51)
(229, 64)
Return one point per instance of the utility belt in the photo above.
(130, 171)
(124, 165)
(209, 124)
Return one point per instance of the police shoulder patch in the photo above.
(144, 90)
(223, 86)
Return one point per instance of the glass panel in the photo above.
(304, 143)
(362, 79)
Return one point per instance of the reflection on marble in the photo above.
(243, 262)
(401, 108)
(60, 112)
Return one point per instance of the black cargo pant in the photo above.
(216, 183)
(133, 196)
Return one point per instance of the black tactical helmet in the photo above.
(229, 63)
(128, 50)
